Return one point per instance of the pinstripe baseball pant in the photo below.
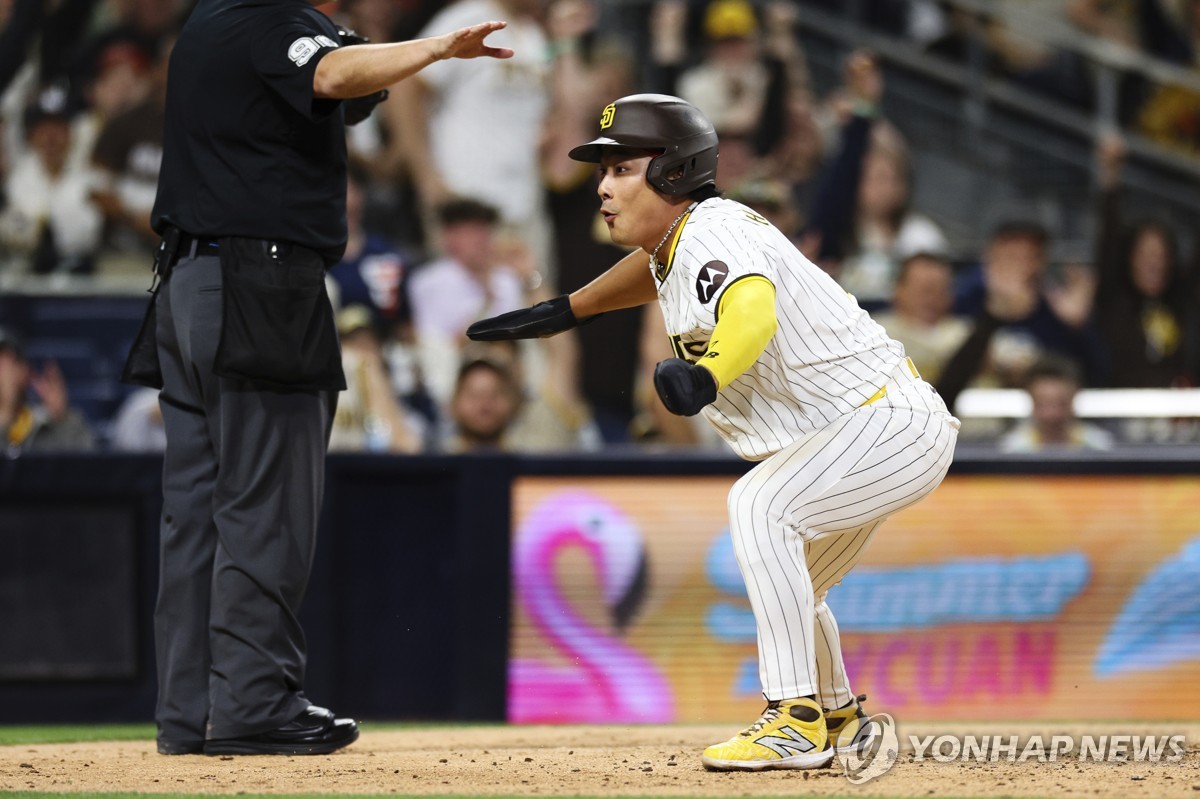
(802, 518)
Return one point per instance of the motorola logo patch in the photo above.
(710, 279)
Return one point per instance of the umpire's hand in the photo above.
(683, 387)
(468, 43)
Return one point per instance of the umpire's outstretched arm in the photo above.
(365, 68)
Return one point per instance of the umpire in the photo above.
(240, 337)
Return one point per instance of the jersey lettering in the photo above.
(691, 351)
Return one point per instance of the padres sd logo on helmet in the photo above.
(684, 136)
(607, 116)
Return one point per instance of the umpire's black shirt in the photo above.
(247, 150)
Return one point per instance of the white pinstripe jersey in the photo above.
(827, 357)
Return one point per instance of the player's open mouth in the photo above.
(609, 216)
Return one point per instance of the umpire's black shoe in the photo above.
(313, 732)
(166, 747)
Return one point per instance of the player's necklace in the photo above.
(654, 265)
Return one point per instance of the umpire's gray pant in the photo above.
(243, 478)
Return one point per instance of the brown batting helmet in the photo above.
(659, 122)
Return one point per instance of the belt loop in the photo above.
(192, 250)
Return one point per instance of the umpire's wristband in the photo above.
(684, 388)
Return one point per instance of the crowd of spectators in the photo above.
(463, 204)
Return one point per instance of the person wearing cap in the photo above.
(793, 374)
(49, 218)
(730, 85)
(50, 424)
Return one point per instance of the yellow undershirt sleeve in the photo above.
(745, 323)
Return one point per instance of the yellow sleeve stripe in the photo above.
(746, 322)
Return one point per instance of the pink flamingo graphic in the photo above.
(609, 681)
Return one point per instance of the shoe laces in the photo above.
(768, 716)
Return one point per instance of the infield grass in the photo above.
(71, 733)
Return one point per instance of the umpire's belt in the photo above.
(905, 372)
(195, 246)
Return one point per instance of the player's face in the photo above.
(636, 215)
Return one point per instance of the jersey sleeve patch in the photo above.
(709, 280)
(302, 50)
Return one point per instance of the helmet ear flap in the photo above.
(695, 169)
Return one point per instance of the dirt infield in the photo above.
(598, 761)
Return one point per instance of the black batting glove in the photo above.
(683, 387)
(541, 321)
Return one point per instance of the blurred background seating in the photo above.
(894, 140)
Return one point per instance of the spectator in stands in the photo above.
(775, 201)
(1052, 384)
(920, 318)
(1016, 41)
(797, 158)
(588, 72)
(373, 273)
(1019, 313)
(469, 282)
(887, 229)
(473, 132)
(487, 398)
(862, 217)
(1142, 308)
(368, 416)
(125, 163)
(121, 79)
(1114, 21)
(48, 425)
(669, 44)
(730, 84)
(548, 414)
(49, 217)
(375, 145)
(743, 81)
(449, 293)
(1170, 113)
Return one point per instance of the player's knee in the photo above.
(748, 503)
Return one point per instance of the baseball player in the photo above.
(793, 374)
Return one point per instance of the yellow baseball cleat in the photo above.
(850, 730)
(789, 734)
